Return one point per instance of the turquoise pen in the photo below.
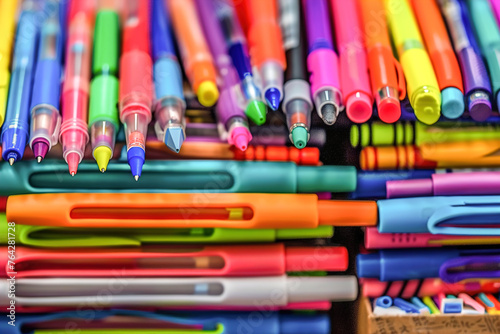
(488, 35)
(185, 176)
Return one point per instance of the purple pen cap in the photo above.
(409, 188)
(479, 106)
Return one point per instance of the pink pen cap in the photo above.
(447, 184)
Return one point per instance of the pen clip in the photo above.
(478, 264)
(469, 214)
(401, 79)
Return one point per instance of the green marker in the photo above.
(103, 110)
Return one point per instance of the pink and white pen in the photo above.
(354, 78)
(74, 130)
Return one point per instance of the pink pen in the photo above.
(354, 78)
(495, 4)
(74, 133)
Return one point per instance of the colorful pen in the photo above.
(74, 130)
(488, 36)
(423, 88)
(237, 48)
(229, 111)
(386, 75)
(322, 61)
(475, 75)
(103, 111)
(353, 64)
(297, 104)
(195, 210)
(136, 86)
(495, 5)
(7, 31)
(266, 47)
(442, 56)
(45, 117)
(170, 105)
(176, 261)
(491, 305)
(15, 130)
(197, 60)
(376, 240)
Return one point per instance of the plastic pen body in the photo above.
(74, 130)
(475, 76)
(442, 56)
(387, 78)
(422, 85)
(15, 130)
(136, 86)
(170, 105)
(322, 61)
(229, 111)
(45, 117)
(354, 79)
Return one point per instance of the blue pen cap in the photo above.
(297, 324)
(453, 105)
(368, 265)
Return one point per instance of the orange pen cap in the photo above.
(188, 210)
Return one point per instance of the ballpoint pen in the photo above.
(353, 64)
(45, 117)
(7, 29)
(297, 104)
(472, 154)
(491, 305)
(422, 86)
(454, 215)
(322, 61)
(182, 176)
(136, 86)
(376, 240)
(450, 264)
(197, 60)
(197, 210)
(488, 36)
(15, 130)
(237, 49)
(175, 322)
(266, 47)
(229, 111)
(476, 80)
(207, 291)
(170, 105)
(74, 130)
(442, 56)
(387, 77)
(103, 111)
(176, 261)
(373, 288)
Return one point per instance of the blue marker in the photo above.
(170, 104)
(15, 129)
(45, 117)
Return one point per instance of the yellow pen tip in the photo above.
(427, 106)
(207, 93)
(102, 155)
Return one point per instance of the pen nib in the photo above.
(329, 113)
(11, 161)
(38, 159)
(174, 138)
(103, 170)
(136, 177)
(72, 173)
(273, 97)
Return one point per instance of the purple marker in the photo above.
(229, 112)
(476, 80)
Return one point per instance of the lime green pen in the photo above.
(103, 110)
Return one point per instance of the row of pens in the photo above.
(446, 49)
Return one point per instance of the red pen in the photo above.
(169, 261)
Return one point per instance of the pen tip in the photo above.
(273, 98)
(174, 137)
(103, 170)
(136, 177)
(329, 113)
(72, 173)
(38, 159)
(300, 137)
(11, 161)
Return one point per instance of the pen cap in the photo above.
(315, 258)
(474, 183)
(409, 188)
(309, 288)
(300, 324)
(326, 178)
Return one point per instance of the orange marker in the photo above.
(266, 45)
(387, 78)
(442, 56)
(196, 57)
(188, 210)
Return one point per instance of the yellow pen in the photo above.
(422, 86)
(8, 10)
(431, 305)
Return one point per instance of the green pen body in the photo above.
(104, 87)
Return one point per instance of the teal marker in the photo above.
(103, 109)
(488, 35)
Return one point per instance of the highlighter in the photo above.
(7, 29)
(188, 210)
(422, 85)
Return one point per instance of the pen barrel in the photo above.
(168, 79)
(48, 84)
(376, 240)
(491, 54)
(4, 91)
(228, 107)
(474, 72)
(104, 91)
(381, 57)
(323, 64)
(395, 157)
